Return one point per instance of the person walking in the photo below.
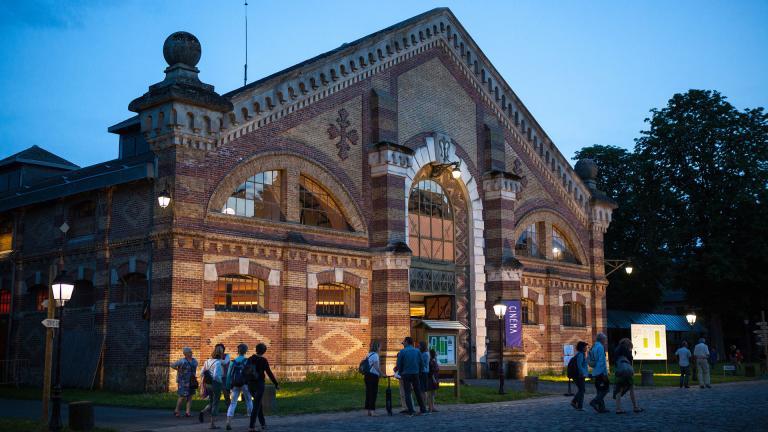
(714, 357)
(186, 380)
(701, 354)
(684, 361)
(433, 381)
(212, 378)
(583, 371)
(409, 363)
(237, 383)
(259, 367)
(224, 371)
(596, 361)
(371, 378)
(625, 376)
(424, 372)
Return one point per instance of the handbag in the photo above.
(624, 368)
(193, 384)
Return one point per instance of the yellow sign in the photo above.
(649, 341)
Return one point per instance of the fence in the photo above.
(11, 371)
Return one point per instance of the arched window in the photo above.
(258, 196)
(6, 234)
(528, 243)
(562, 250)
(82, 219)
(240, 293)
(430, 223)
(134, 287)
(336, 300)
(40, 293)
(529, 311)
(83, 294)
(5, 302)
(318, 207)
(574, 314)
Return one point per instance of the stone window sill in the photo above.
(261, 316)
(355, 320)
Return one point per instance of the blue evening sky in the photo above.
(588, 71)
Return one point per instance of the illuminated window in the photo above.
(574, 314)
(134, 287)
(240, 294)
(41, 294)
(318, 208)
(430, 223)
(5, 302)
(336, 300)
(562, 250)
(6, 234)
(258, 196)
(529, 311)
(82, 219)
(528, 243)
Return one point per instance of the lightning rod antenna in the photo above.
(245, 66)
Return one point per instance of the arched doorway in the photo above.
(438, 236)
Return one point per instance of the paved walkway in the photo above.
(725, 407)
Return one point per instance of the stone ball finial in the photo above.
(586, 169)
(182, 47)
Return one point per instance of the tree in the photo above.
(692, 206)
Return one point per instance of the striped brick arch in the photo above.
(424, 155)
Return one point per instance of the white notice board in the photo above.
(649, 341)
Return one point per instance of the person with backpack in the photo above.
(577, 371)
(237, 383)
(186, 380)
(212, 378)
(596, 361)
(371, 370)
(255, 371)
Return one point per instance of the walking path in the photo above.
(726, 407)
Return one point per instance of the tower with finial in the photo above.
(181, 110)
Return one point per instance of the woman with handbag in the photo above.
(433, 380)
(624, 376)
(186, 380)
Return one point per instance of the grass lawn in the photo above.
(669, 374)
(12, 424)
(311, 396)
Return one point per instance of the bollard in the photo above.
(81, 416)
(269, 400)
(646, 378)
(531, 384)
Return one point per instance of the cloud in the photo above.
(39, 14)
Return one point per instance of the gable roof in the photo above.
(275, 96)
(619, 319)
(38, 156)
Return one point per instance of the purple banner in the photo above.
(513, 328)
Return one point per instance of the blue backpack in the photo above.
(238, 373)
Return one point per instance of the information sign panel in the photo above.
(649, 341)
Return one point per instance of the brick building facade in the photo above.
(394, 179)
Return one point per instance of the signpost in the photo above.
(444, 345)
(50, 323)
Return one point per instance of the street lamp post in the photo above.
(62, 288)
(500, 309)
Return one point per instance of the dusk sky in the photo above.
(588, 71)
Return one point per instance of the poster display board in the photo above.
(649, 341)
(445, 347)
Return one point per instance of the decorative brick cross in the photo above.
(345, 136)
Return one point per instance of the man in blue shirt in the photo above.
(599, 373)
(409, 364)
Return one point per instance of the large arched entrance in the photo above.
(446, 277)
